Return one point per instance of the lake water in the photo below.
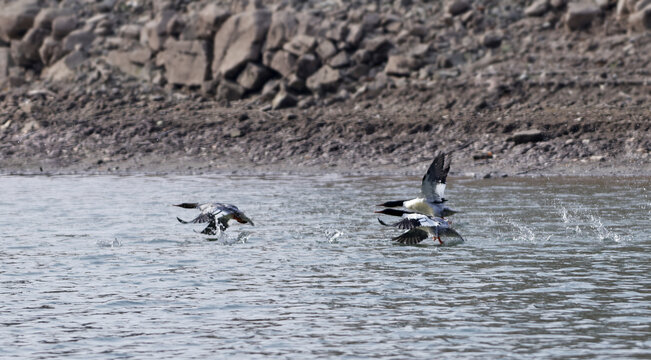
(98, 268)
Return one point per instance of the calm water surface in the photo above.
(99, 268)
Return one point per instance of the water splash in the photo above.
(332, 235)
(115, 243)
(579, 220)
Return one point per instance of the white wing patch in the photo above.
(440, 190)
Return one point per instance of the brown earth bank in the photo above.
(508, 88)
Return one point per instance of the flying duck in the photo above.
(431, 202)
(420, 227)
(214, 213)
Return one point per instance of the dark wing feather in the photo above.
(450, 232)
(433, 184)
(188, 205)
(412, 237)
(404, 224)
(203, 218)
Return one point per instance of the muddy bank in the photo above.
(512, 88)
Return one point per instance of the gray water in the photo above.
(99, 268)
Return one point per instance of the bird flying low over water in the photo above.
(432, 200)
(214, 214)
(420, 227)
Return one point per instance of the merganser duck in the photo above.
(432, 189)
(420, 227)
(213, 214)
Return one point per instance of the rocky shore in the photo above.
(511, 87)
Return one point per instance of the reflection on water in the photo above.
(98, 267)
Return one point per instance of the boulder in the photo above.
(139, 55)
(81, 37)
(641, 20)
(238, 41)
(253, 76)
(16, 18)
(5, 63)
(491, 40)
(307, 65)
(64, 69)
(340, 60)
(154, 32)
(283, 100)
(355, 35)
(210, 19)
(377, 50)
(300, 45)
(46, 16)
(25, 51)
(283, 27)
(51, 50)
(400, 65)
(120, 59)
(326, 79)
(63, 25)
(283, 62)
(458, 7)
(130, 31)
(527, 136)
(228, 90)
(537, 8)
(326, 49)
(580, 15)
(296, 83)
(186, 62)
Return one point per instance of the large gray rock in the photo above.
(284, 25)
(46, 16)
(210, 19)
(228, 90)
(537, 8)
(238, 41)
(400, 65)
(641, 20)
(300, 45)
(340, 60)
(326, 49)
(16, 18)
(355, 35)
(50, 51)
(307, 65)
(25, 51)
(122, 61)
(283, 62)
(81, 38)
(491, 40)
(186, 62)
(63, 25)
(253, 76)
(326, 79)
(458, 7)
(283, 100)
(155, 32)
(64, 69)
(580, 15)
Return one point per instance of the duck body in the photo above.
(216, 215)
(421, 227)
(432, 200)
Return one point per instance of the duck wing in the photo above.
(202, 218)
(411, 221)
(412, 237)
(450, 232)
(433, 184)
